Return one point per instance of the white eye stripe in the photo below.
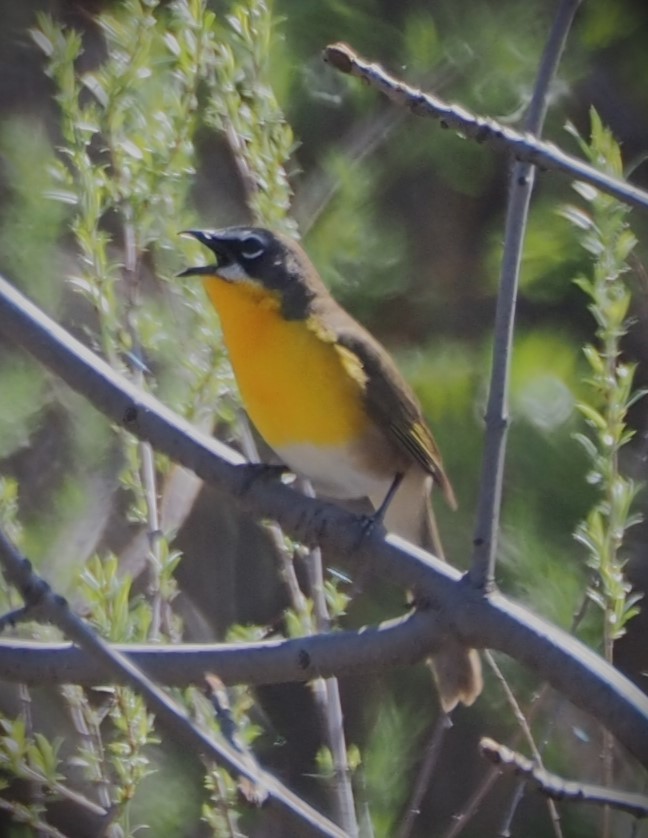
(252, 247)
(252, 254)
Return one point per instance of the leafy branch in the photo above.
(607, 237)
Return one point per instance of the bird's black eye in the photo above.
(252, 247)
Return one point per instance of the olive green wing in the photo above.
(391, 403)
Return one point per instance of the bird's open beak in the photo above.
(211, 240)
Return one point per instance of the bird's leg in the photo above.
(376, 517)
(379, 514)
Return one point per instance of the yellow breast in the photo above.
(297, 385)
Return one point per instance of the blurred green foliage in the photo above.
(167, 115)
(32, 207)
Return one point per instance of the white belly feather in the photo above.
(335, 474)
(333, 471)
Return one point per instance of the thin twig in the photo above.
(523, 146)
(525, 727)
(228, 727)
(86, 725)
(516, 798)
(472, 805)
(326, 692)
(430, 760)
(36, 785)
(147, 475)
(21, 815)
(68, 794)
(558, 788)
(328, 695)
(494, 773)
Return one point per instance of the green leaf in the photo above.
(577, 217)
(587, 444)
(594, 359)
(592, 415)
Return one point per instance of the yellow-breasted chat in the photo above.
(328, 398)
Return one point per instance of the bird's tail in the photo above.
(457, 670)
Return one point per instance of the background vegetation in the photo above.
(123, 123)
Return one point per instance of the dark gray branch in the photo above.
(522, 178)
(396, 643)
(114, 665)
(493, 621)
(524, 147)
(557, 788)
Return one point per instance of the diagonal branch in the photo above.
(556, 788)
(523, 146)
(37, 593)
(492, 621)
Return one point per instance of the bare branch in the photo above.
(522, 179)
(400, 642)
(36, 592)
(527, 733)
(228, 727)
(556, 787)
(21, 815)
(430, 761)
(326, 692)
(524, 147)
(492, 621)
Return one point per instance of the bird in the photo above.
(328, 399)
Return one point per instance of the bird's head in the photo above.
(241, 253)
(255, 256)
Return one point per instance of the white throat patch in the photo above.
(231, 273)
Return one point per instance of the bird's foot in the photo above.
(368, 523)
